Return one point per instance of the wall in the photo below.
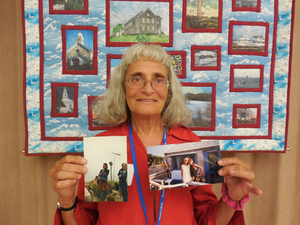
(25, 190)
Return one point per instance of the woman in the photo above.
(145, 102)
(185, 171)
(123, 182)
(102, 182)
(194, 170)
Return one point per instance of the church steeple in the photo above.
(79, 38)
(65, 93)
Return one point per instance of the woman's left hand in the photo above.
(239, 178)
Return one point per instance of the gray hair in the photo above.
(113, 108)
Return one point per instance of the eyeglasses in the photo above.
(158, 83)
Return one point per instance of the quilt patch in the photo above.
(233, 59)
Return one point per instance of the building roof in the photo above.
(139, 14)
(202, 145)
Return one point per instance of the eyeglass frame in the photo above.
(167, 84)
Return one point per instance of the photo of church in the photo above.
(79, 56)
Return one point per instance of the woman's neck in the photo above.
(149, 130)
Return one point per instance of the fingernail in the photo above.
(220, 161)
(220, 172)
(85, 169)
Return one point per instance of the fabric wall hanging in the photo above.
(232, 57)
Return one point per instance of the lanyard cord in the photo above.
(137, 177)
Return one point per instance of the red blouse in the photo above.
(184, 206)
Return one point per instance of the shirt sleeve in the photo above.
(86, 213)
(206, 204)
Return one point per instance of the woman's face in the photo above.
(146, 101)
(185, 161)
(191, 162)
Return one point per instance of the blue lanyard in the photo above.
(137, 177)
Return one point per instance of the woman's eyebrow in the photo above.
(160, 75)
(136, 74)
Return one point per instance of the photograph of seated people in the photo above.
(145, 102)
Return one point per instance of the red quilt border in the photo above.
(202, 30)
(213, 105)
(247, 23)
(234, 114)
(84, 12)
(261, 79)
(183, 57)
(251, 9)
(205, 47)
(127, 44)
(53, 94)
(65, 71)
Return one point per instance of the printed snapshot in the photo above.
(246, 116)
(106, 179)
(64, 99)
(248, 38)
(200, 99)
(68, 6)
(183, 165)
(202, 16)
(131, 22)
(79, 50)
(205, 57)
(246, 78)
(246, 3)
(95, 123)
(179, 63)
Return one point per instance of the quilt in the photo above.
(232, 57)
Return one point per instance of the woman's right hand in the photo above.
(65, 175)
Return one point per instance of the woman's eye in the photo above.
(136, 79)
(159, 80)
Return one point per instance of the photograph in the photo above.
(79, 49)
(68, 6)
(179, 63)
(95, 123)
(183, 165)
(202, 16)
(246, 78)
(64, 99)
(107, 176)
(246, 115)
(248, 38)
(200, 99)
(246, 3)
(205, 57)
(130, 22)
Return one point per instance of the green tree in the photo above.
(118, 28)
(142, 38)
